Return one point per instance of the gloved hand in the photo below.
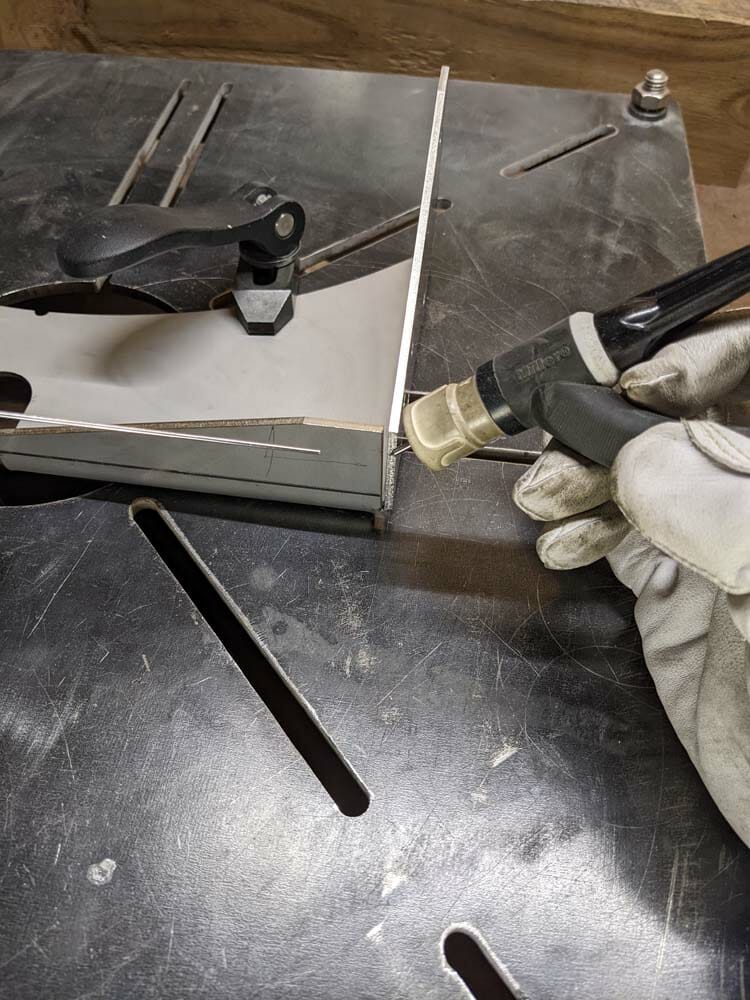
(673, 519)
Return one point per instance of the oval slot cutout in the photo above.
(567, 146)
(22, 489)
(480, 972)
(15, 395)
(303, 730)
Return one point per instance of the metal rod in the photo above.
(401, 450)
(88, 425)
(350, 244)
(519, 456)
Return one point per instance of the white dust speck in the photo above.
(390, 715)
(375, 933)
(365, 661)
(391, 881)
(500, 756)
(360, 663)
(263, 577)
(101, 873)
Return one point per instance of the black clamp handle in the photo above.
(267, 226)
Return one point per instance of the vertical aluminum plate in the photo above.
(417, 287)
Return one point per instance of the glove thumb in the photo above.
(686, 488)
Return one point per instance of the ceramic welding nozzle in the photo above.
(502, 397)
(449, 423)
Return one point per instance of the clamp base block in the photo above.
(264, 311)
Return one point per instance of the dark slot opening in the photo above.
(481, 975)
(197, 144)
(107, 301)
(572, 144)
(15, 395)
(149, 145)
(21, 489)
(349, 245)
(265, 676)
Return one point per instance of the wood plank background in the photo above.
(589, 44)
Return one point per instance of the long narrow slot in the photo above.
(189, 161)
(262, 672)
(15, 396)
(149, 144)
(567, 146)
(349, 245)
(480, 973)
(122, 192)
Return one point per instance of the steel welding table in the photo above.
(499, 764)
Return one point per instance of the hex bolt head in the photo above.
(284, 226)
(650, 97)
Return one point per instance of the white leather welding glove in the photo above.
(673, 519)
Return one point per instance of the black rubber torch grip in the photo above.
(633, 330)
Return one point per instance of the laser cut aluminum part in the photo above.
(333, 384)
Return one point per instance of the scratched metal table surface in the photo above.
(470, 740)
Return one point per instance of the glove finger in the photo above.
(739, 609)
(686, 488)
(582, 539)
(689, 375)
(636, 563)
(561, 483)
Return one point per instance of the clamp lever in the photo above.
(267, 226)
